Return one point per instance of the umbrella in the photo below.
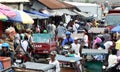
(3, 17)
(22, 17)
(7, 11)
(116, 29)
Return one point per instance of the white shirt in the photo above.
(53, 29)
(76, 48)
(24, 44)
(112, 60)
(85, 38)
(75, 28)
(57, 66)
(108, 44)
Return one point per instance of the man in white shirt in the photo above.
(76, 47)
(75, 27)
(54, 62)
(85, 38)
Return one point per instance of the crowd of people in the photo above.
(20, 41)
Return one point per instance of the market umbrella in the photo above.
(116, 29)
(3, 17)
(7, 11)
(22, 17)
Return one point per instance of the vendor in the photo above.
(54, 62)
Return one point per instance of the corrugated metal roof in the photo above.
(13, 1)
(54, 4)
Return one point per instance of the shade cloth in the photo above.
(60, 12)
(34, 16)
(22, 17)
(37, 13)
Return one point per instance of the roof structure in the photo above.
(13, 1)
(55, 4)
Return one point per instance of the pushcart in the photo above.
(43, 44)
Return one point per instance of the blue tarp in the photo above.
(116, 29)
(37, 13)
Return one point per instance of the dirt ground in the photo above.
(67, 69)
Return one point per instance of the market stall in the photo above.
(30, 67)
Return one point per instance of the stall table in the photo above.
(72, 60)
(32, 67)
(63, 58)
(93, 51)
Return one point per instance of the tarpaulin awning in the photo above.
(21, 17)
(34, 16)
(37, 13)
(60, 12)
(83, 13)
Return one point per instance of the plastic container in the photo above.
(6, 61)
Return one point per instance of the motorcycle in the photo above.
(65, 49)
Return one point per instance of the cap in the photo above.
(68, 33)
(53, 53)
(6, 45)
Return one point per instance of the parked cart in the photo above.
(43, 44)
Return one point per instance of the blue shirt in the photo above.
(66, 41)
